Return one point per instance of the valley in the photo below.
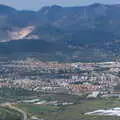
(54, 90)
(60, 63)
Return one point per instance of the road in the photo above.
(17, 109)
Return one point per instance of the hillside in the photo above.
(97, 22)
(79, 32)
(9, 114)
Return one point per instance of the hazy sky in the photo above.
(37, 4)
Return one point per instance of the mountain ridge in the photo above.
(84, 28)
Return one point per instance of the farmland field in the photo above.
(72, 112)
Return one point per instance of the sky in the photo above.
(37, 4)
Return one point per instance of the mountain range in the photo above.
(86, 33)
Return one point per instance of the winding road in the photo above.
(10, 105)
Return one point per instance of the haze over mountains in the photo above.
(69, 33)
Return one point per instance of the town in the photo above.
(93, 79)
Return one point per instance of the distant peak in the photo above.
(96, 5)
(56, 6)
(4, 9)
(5, 6)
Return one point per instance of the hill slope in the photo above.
(78, 32)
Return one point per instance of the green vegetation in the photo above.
(52, 112)
(73, 112)
(14, 94)
(37, 109)
(8, 114)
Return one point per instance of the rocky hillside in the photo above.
(86, 30)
